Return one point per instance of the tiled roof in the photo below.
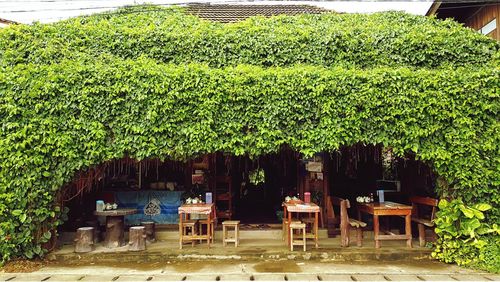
(231, 13)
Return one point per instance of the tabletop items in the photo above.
(101, 206)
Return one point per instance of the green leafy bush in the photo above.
(171, 36)
(464, 238)
(163, 84)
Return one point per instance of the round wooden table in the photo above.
(114, 226)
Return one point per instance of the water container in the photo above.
(380, 194)
(99, 205)
(208, 197)
(307, 197)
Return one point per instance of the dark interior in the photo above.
(350, 172)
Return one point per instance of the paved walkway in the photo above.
(277, 270)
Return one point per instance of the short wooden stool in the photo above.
(137, 238)
(285, 227)
(309, 222)
(301, 227)
(84, 240)
(202, 223)
(184, 237)
(149, 227)
(236, 239)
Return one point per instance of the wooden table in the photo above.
(185, 210)
(115, 226)
(289, 208)
(387, 209)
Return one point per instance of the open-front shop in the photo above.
(253, 192)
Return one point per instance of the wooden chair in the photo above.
(418, 217)
(346, 223)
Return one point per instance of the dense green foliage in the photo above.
(463, 236)
(169, 36)
(162, 84)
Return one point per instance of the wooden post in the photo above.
(114, 232)
(84, 240)
(137, 238)
(344, 224)
(149, 227)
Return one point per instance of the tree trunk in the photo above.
(137, 238)
(149, 227)
(114, 231)
(84, 240)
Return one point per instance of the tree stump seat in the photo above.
(84, 240)
(137, 238)
(149, 227)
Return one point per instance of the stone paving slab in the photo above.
(64, 277)
(7, 277)
(440, 277)
(402, 277)
(468, 277)
(235, 277)
(168, 277)
(130, 278)
(492, 277)
(31, 277)
(269, 277)
(335, 277)
(368, 277)
(301, 277)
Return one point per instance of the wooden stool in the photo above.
(203, 222)
(236, 238)
(285, 227)
(188, 224)
(298, 226)
(149, 227)
(137, 238)
(84, 240)
(309, 222)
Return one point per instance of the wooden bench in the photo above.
(417, 215)
(347, 223)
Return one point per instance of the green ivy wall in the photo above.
(154, 82)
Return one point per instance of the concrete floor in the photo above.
(261, 256)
